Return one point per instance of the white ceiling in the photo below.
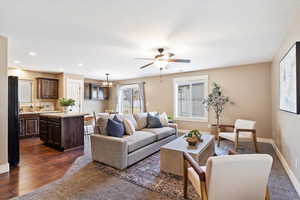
(106, 35)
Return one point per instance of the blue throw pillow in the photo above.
(114, 128)
(117, 120)
(153, 121)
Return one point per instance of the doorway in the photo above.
(74, 91)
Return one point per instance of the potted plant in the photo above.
(216, 101)
(65, 103)
(193, 137)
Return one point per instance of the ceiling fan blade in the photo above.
(159, 55)
(144, 59)
(176, 60)
(142, 67)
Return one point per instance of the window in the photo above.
(25, 91)
(129, 99)
(189, 93)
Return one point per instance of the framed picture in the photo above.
(290, 80)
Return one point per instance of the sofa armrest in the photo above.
(175, 126)
(109, 150)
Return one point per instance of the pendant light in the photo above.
(107, 83)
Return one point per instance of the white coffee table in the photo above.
(171, 158)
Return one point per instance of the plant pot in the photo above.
(66, 109)
(192, 141)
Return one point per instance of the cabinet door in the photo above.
(56, 135)
(53, 89)
(31, 127)
(45, 88)
(43, 130)
(21, 127)
(106, 93)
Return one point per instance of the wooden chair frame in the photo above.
(189, 161)
(236, 142)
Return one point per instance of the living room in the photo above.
(193, 100)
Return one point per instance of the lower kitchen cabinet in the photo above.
(62, 133)
(29, 125)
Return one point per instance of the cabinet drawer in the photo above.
(55, 120)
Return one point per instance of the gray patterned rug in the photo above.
(90, 180)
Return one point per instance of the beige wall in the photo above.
(247, 86)
(286, 126)
(90, 106)
(3, 105)
(32, 75)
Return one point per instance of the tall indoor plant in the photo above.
(216, 101)
(65, 103)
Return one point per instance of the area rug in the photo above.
(92, 180)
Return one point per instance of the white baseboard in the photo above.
(4, 168)
(287, 168)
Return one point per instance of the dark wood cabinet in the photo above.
(29, 125)
(47, 88)
(62, 132)
(95, 92)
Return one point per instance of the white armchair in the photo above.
(243, 131)
(233, 177)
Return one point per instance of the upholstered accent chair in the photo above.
(242, 131)
(233, 177)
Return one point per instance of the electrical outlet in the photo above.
(296, 163)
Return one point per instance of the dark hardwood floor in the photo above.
(39, 165)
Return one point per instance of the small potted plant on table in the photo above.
(65, 103)
(193, 137)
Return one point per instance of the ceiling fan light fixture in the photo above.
(161, 64)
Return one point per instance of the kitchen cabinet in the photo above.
(28, 125)
(96, 92)
(61, 132)
(47, 88)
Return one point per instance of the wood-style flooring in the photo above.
(39, 165)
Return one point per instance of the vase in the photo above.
(65, 109)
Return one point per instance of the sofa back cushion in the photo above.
(141, 119)
(153, 121)
(115, 128)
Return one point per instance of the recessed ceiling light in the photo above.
(17, 62)
(31, 53)
(80, 65)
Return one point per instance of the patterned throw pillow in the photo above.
(153, 121)
(129, 127)
(141, 119)
(101, 123)
(114, 128)
(164, 119)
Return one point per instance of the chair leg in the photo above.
(236, 142)
(219, 140)
(185, 179)
(255, 142)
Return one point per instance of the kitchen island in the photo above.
(62, 131)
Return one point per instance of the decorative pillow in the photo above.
(120, 121)
(141, 119)
(131, 118)
(153, 121)
(129, 127)
(101, 123)
(114, 128)
(164, 119)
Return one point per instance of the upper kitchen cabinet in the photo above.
(95, 92)
(47, 88)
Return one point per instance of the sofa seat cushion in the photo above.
(161, 132)
(139, 139)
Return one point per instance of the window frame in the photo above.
(122, 87)
(189, 81)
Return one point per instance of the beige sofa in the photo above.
(123, 152)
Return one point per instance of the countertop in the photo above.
(39, 112)
(62, 115)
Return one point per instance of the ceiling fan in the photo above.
(162, 59)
